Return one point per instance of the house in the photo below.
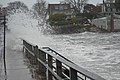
(3, 10)
(110, 7)
(59, 8)
(111, 19)
(0, 10)
(109, 23)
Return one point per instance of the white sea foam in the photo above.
(97, 52)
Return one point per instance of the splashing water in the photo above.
(96, 52)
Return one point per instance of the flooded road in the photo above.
(16, 68)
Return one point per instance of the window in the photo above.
(65, 7)
(107, 5)
(61, 7)
(56, 7)
(114, 10)
(109, 10)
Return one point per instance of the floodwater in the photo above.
(96, 52)
(15, 61)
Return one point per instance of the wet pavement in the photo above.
(16, 68)
(1, 50)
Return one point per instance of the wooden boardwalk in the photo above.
(52, 66)
(15, 61)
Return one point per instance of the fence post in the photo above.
(73, 74)
(35, 55)
(42, 68)
(23, 46)
(59, 68)
(50, 65)
(30, 56)
(25, 50)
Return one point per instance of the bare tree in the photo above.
(17, 5)
(77, 5)
(40, 7)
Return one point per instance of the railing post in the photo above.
(59, 68)
(27, 53)
(42, 68)
(24, 49)
(35, 53)
(50, 65)
(30, 56)
(23, 46)
(73, 74)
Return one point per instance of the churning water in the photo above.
(96, 52)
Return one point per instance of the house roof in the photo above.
(54, 3)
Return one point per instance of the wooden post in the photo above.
(39, 64)
(42, 68)
(85, 78)
(24, 50)
(73, 74)
(30, 56)
(59, 68)
(112, 23)
(23, 47)
(35, 55)
(27, 53)
(50, 65)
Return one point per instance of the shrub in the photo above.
(57, 19)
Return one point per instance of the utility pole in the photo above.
(4, 23)
(112, 23)
(3, 19)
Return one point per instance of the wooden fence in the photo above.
(53, 66)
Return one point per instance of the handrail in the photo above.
(49, 49)
(73, 68)
(79, 69)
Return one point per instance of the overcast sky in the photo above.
(31, 2)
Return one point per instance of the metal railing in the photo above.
(53, 66)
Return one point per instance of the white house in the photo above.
(105, 23)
